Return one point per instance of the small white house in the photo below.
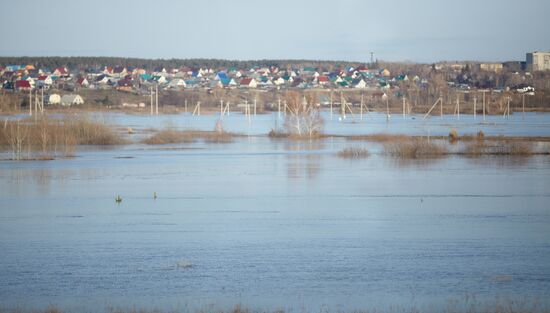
(249, 83)
(68, 100)
(54, 99)
(177, 83)
(279, 81)
(360, 83)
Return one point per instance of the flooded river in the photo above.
(275, 224)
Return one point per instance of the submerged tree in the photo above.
(303, 118)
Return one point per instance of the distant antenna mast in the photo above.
(371, 57)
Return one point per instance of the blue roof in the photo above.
(222, 75)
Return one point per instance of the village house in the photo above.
(177, 83)
(82, 82)
(124, 85)
(68, 100)
(54, 99)
(323, 80)
(279, 81)
(248, 83)
(359, 83)
(22, 85)
(61, 72)
(119, 71)
(44, 81)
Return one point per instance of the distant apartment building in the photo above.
(491, 67)
(538, 61)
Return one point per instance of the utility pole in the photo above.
(387, 108)
(523, 100)
(475, 106)
(362, 101)
(441, 107)
(279, 108)
(30, 102)
(404, 103)
(342, 106)
(42, 104)
(457, 107)
(331, 104)
(151, 93)
(157, 98)
(483, 105)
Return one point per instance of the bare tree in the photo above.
(304, 118)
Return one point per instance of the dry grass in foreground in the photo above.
(354, 153)
(415, 149)
(46, 138)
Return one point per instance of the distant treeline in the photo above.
(84, 63)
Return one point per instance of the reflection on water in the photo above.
(303, 166)
(504, 162)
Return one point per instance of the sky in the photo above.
(397, 30)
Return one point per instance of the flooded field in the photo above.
(518, 124)
(277, 223)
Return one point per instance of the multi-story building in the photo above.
(538, 61)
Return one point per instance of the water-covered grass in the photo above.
(171, 136)
(44, 137)
(354, 153)
(415, 149)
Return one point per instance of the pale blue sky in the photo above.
(397, 30)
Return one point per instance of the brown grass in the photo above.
(380, 137)
(167, 136)
(453, 136)
(45, 137)
(415, 149)
(354, 153)
(504, 148)
(170, 136)
(275, 134)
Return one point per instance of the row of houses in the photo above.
(27, 77)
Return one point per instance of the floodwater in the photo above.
(274, 224)
(518, 124)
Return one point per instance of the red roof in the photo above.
(246, 81)
(80, 80)
(61, 70)
(42, 77)
(22, 84)
(323, 79)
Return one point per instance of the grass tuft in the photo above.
(502, 148)
(170, 136)
(415, 149)
(354, 153)
(453, 136)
